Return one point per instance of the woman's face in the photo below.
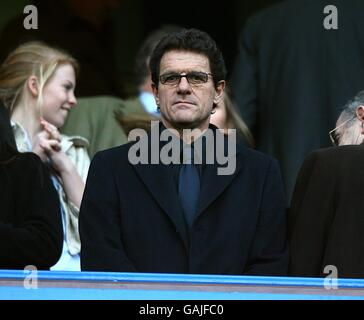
(58, 95)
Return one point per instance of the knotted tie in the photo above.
(189, 185)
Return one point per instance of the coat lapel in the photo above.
(213, 184)
(159, 182)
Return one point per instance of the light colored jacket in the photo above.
(75, 148)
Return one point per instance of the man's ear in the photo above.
(219, 91)
(155, 93)
(360, 116)
(32, 85)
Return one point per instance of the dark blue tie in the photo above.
(189, 185)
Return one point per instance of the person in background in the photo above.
(326, 216)
(30, 220)
(106, 121)
(298, 62)
(142, 72)
(225, 116)
(350, 124)
(133, 118)
(94, 119)
(37, 85)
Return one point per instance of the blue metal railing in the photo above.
(95, 292)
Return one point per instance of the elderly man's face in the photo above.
(184, 104)
(351, 134)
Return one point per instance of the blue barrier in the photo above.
(55, 285)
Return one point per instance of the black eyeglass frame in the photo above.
(163, 79)
(334, 139)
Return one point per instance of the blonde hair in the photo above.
(30, 58)
(234, 120)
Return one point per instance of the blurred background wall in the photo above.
(132, 20)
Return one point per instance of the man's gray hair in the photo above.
(349, 111)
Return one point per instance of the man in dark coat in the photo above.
(325, 220)
(326, 217)
(298, 63)
(187, 217)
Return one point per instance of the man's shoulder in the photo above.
(26, 159)
(337, 154)
(97, 106)
(26, 166)
(254, 156)
(118, 153)
(334, 163)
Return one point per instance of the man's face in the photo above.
(350, 134)
(185, 105)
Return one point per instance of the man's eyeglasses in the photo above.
(193, 78)
(334, 136)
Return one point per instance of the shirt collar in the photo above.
(148, 101)
(22, 139)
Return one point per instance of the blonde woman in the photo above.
(37, 85)
(225, 116)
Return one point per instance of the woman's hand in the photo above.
(51, 130)
(52, 148)
(43, 142)
(72, 182)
